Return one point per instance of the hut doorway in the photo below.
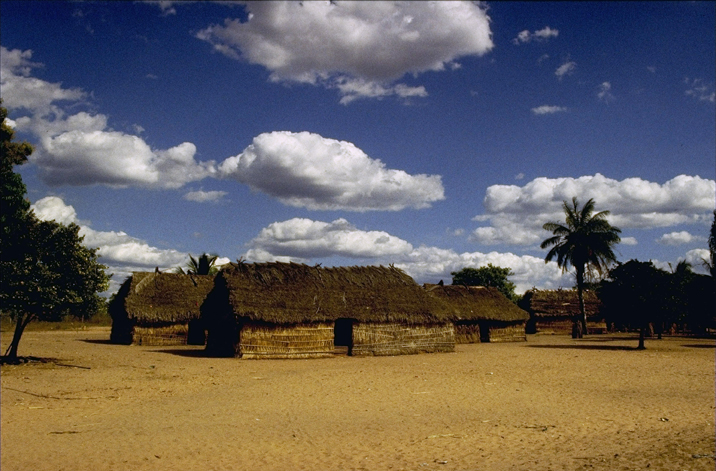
(484, 332)
(343, 335)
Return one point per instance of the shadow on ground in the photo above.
(192, 353)
(98, 341)
(585, 347)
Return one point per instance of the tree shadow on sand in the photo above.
(98, 341)
(586, 347)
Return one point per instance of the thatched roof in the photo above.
(477, 303)
(290, 293)
(559, 303)
(155, 298)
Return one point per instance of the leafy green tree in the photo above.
(204, 265)
(45, 271)
(490, 275)
(584, 241)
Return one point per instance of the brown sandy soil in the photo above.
(552, 403)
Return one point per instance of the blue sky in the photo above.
(434, 136)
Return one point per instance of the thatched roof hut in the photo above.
(554, 310)
(481, 314)
(289, 310)
(159, 309)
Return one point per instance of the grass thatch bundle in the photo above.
(477, 303)
(157, 300)
(290, 293)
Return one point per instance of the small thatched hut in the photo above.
(160, 309)
(553, 311)
(288, 310)
(481, 314)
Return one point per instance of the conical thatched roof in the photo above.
(559, 303)
(290, 293)
(477, 303)
(152, 298)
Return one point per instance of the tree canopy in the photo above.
(584, 241)
(638, 294)
(489, 275)
(45, 271)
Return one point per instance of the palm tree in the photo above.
(204, 265)
(585, 242)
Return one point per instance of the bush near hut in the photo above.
(489, 276)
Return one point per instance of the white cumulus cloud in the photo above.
(121, 252)
(308, 170)
(699, 90)
(548, 109)
(201, 196)
(117, 159)
(678, 238)
(360, 48)
(300, 239)
(305, 240)
(21, 91)
(539, 35)
(516, 214)
(78, 149)
(565, 69)
(605, 92)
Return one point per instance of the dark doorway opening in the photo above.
(343, 335)
(484, 332)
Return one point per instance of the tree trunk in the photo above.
(642, 334)
(21, 323)
(580, 320)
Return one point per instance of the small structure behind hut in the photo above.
(481, 314)
(160, 309)
(553, 311)
(289, 310)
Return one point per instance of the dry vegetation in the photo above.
(550, 403)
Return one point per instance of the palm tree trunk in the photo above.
(580, 320)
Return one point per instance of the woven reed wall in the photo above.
(508, 333)
(399, 339)
(264, 341)
(467, 332)
(551, 325)
(170, 335)
(564, 326)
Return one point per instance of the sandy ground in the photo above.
(552, 403)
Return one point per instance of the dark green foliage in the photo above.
(637, 294)
(711, 264)
(584, 242)
(491, 276)
(45, 271)
(204, 265)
